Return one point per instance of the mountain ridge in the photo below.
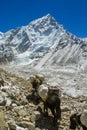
(31, 43)
(45, 47)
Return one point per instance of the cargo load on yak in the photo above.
(45, 90)
(54, 90)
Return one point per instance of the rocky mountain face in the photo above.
(41, 39)
(6, 54)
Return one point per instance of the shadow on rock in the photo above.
(46, 122)
(33, 98)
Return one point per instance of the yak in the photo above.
(78, 120)
(51, 100)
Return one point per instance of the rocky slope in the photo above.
(18, 113)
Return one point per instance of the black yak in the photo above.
(78, 120)
(51, 100)
(36, 81)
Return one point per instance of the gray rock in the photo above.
(65, 108)
(28, 125)
(35, 116)
(2, 101)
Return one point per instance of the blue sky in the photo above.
(72, 14)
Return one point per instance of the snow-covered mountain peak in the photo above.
(44, 24)
(44, 20)
(43, 41)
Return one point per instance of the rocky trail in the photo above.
(18, 113)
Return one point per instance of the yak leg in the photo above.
(54, 114)
(58, 109)
(45, 109)
(58, 112)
